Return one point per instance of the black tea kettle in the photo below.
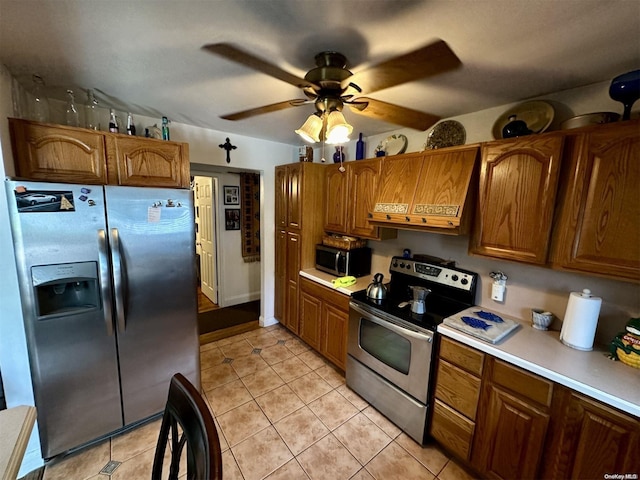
(377, 290)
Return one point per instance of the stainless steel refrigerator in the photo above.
(108, 286)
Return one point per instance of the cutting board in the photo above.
(494, 333)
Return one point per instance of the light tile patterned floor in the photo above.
(282, 413)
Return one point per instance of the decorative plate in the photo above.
(537, 114)
(393, 144)
(446, 134)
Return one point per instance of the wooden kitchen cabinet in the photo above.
(516, 201)
(55, 153)
(589, 439)
(457, 391)
(147, 162)
(427, 191)
(597, 229)
(65, 154)
(299, 196)
(324, 316)
(513, 416)
(350, 199)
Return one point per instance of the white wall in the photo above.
(14, 360)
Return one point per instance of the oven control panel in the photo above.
(444, 275)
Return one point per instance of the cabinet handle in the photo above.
(388, 217)
(407, 218)
(370, 215)
(424, 220)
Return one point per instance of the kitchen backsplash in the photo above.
(527, 286)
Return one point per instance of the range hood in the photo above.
(428, 191)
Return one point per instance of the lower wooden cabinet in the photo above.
(456, 393)
(589, 440)
(324, 316)
(523, 426)
(510, 435)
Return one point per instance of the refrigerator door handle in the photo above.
(118, 275)
(105, 281)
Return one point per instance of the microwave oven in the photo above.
(336, 261)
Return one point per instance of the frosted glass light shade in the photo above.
(338, 130)
(310, 129)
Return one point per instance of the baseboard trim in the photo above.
(228, 332)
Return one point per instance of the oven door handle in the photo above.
(394, 327)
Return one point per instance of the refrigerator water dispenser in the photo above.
(65, 289)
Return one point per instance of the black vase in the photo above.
(515, 128)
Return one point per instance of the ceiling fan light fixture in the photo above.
(310, 129)
(338, 130)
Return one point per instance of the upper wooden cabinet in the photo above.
(350, 198)
(428, 191)
(518, 185)
(75, 155)
(598, 222)
(147, 162)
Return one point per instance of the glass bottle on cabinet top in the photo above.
(40, 104)
(91, 112)
(113, 121)
(72, 117)
(131, 127)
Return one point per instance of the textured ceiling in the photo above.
(146, 55)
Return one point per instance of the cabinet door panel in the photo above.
(510, 436)
(363, 179)
(598, 231)
(280, 275)
(336, 200)
(590, 440)
(144, 162)
(58, 154)
(334, 322)
(518, 183)
(310, 319)
(294, 200)
(281, 197)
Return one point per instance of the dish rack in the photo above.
(345, 243)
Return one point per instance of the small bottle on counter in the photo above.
(113, 121)
(131, 127)
(165, 128)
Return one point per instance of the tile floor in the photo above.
(282, 413)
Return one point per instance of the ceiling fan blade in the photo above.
(426, 61)
(243, 58)
(391, 113)
(274, 107)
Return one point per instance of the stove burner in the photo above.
(452, 290)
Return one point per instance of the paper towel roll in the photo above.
(580, 320)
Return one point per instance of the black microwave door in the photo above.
(341, 262)
(326, 259)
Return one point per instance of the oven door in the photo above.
(400, 353)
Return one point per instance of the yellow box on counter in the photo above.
(345, 243)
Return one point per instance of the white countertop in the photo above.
(542, 352)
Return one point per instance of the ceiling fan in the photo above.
(330, 86)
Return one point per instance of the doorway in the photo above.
(205, 194)
(238, 282)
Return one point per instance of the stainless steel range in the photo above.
(390, 346)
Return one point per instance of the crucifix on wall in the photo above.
(228, 147)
